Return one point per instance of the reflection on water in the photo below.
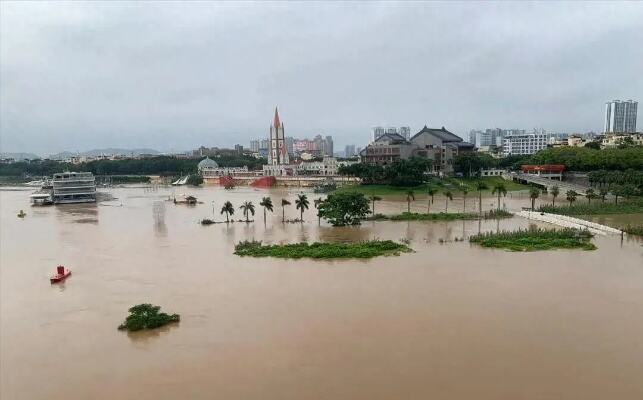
(449, 321)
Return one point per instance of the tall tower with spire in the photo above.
(277, 152)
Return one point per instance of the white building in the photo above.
(527, 143)
(209, 168)
(620, 116)
(378, 131)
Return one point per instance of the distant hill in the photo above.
(19, 156)
(98, 152)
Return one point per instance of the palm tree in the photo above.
(302, 204)
(447, 196)
(410, 195)
(480, 186)
(266, 203)
(465, 191)
(228, 209)
(284, 203)
(373, 199)
(431, 191)
(603, 193)
(555, 191)
(499, 189)
(247, 207)
(589, 193)
(571, 196)
(533, 195)
(317, 202)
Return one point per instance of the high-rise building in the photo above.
(349, 150)
(377, 132)
(405, 132)
(620, 116)
(277, 153)
(526, 143)
(254, 145)
(328, 146)
(290, 141)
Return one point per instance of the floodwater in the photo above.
(449, 321)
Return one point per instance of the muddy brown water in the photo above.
(450, 321)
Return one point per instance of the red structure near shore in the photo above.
(264, 182)
(543, 169)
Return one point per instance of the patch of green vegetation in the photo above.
(536, 239)
(406, 216)
(454, 183)
(317, 250)
(632, 206)
(146, 316)
(634, 230)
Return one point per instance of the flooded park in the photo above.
(450, 320)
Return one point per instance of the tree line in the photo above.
(160, 165)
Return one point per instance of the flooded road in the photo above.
(450, 321)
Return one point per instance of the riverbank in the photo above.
(406, 216)
(440, 184)
(317, 250)
(536, 239)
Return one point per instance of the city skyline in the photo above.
(70, 82)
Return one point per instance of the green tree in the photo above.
(480, 186)
(247, 207)
(301, 203)
(373, 199)
(344, 208)
(447, 196)
(465, 191)
(317, 202)
(410, 196)
(430, 191)
(266, 203)
(533, 195)
(499, 189)
(602, 193)
(571, 196)
(590, 194)
(470, 163)
(284, 203)
(195, 180)
(555, 191)
(228, 209)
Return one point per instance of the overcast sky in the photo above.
(77, 76)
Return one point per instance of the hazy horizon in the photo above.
(174, 76)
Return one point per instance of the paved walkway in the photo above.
(549, 183)
(570, 222)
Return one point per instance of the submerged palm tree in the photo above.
(410, 195)
(447, 196)
(373, 199)
(228, 209)
(465, 191)
(603, 193)
(431, 191)
(301, 204)
(499, 189)
(571, 196)
(555, 191)
(533, 195)
(480, 186)
(589, 193)
(284, 203)
(247, 207)
(266, 203)
(317, 202)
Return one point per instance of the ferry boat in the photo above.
(61, 274)
(73, 187)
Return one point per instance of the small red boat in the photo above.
(61, 274)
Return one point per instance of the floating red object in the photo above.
(61, 274)
(264, 182)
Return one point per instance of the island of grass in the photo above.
(631, 206)
(406, 216)
(146, 316)
(437, 183)
(634, 230)
(318, 250)
(536, 239)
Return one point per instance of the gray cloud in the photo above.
(166, 75)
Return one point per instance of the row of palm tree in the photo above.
(431, 192)
(301, 203)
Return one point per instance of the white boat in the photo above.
(35, 183)
(181, 181)
(74, 187)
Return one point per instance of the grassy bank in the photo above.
(633, 206)
(493, 214)
(634, 230)
(317, 250)
(437, 183)
(536, 239)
